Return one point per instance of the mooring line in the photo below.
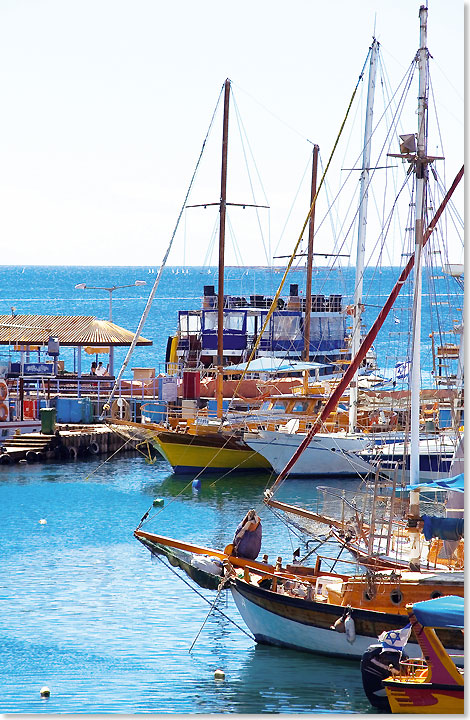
(204, 598)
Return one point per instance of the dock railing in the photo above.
(27, 395)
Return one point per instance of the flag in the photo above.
(395, 639)
(401, 370)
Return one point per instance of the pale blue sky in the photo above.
(105, 104)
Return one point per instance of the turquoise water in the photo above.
(85, 611)
(83, 608)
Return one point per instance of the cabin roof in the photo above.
(71, 330)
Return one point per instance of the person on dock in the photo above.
(247, 540)
(100, 370)
(93, 368)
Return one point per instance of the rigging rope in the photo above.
(107, 405)
(204, 598)
(299, 240)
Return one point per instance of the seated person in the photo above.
(247, 540)
(100, 370)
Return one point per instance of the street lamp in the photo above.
(84, 286)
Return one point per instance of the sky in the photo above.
(106, 104)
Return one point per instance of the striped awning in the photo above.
(71, 331)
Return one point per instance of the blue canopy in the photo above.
(442, 612)
(452, 483)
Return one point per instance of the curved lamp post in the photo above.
(84, 286)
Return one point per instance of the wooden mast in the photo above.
(308, 287)
(220, 293)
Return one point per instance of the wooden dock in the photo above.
(69, 442)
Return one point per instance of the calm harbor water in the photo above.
(83, 608)
(85, 611)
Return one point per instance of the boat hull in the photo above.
(435, 458)
(420, 698)
(326, 456)
(306, 625)
(214, 452)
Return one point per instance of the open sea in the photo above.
(83, 608)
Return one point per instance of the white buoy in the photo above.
(45, 692)
(219, 675)
(43, 521)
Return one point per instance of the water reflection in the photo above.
(277, 680)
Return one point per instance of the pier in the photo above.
(69, 442)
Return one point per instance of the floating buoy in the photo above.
(197, 483)
(43, 521)
(158, 502)
(219, 675)
(45, 692)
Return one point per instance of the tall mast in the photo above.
(308, 286)
(421, 170)
(421, 178)
(362, 222)
(220, 293)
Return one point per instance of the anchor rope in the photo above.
(204, 598)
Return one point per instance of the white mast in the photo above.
(421, 169)
(361, 240)
(421, 177)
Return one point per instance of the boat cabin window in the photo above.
(327, 333)
(279, 406)
(300, 406)
(189, 324)
(232, 321)
(254, 323)
(286, 327)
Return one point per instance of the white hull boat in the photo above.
(329, 454)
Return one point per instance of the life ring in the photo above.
(120, 409)
(3, 411)
(3, 390)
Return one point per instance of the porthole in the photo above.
(396, 596)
